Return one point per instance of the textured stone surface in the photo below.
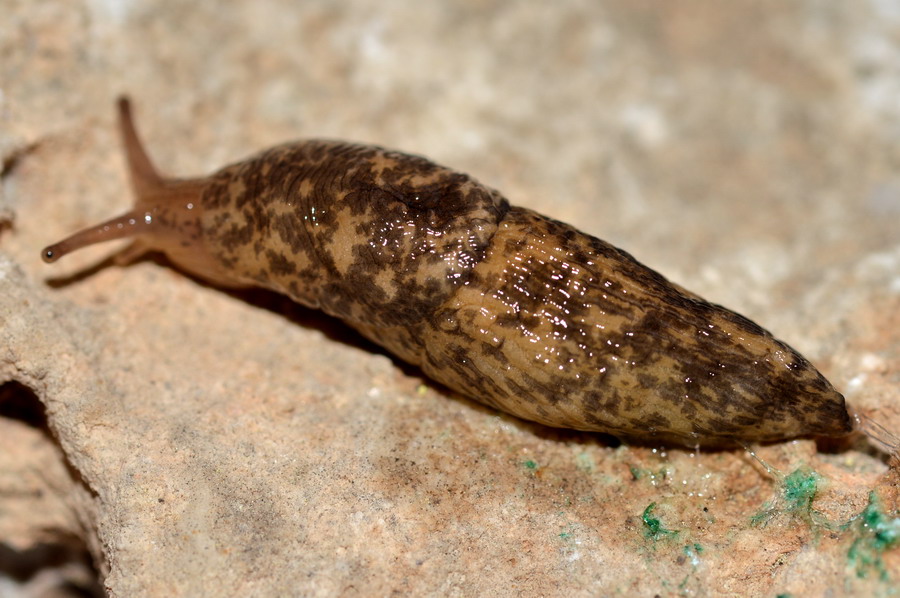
(204, 442)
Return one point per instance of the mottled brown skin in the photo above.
(505, 306)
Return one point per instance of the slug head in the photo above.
(166, 216)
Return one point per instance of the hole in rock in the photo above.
(60, 567)
(19, 402)
(53, 569)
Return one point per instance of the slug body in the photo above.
(507, 307)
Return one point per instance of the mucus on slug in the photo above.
(509, 308)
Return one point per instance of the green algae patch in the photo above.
(873, 531)
(795, 496)
(876, 533)
(653, 527)
(679, 549)
(693, 552)
(799, 489)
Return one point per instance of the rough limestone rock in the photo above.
(202, 442)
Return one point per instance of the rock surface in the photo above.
(200, 442)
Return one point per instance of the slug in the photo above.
(501, 304)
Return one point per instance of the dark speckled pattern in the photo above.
(570, 331)
(368, 235)
(507, 307)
